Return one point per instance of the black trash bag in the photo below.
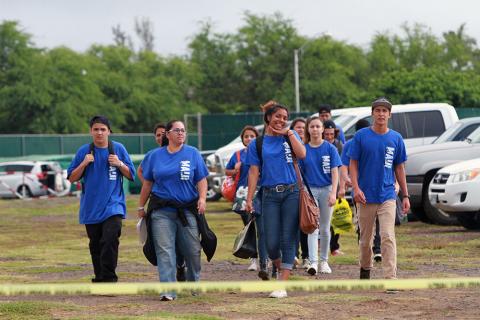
(245, 245)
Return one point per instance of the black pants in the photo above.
(104, 241)
(303, 246)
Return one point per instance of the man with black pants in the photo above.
(102, 164)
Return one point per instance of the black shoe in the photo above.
(181, 274)
(95, 280)
(109, 280)
(364, 274)
(263, 274)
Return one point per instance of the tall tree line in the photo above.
(57, 90)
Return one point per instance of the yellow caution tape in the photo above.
(141, 288)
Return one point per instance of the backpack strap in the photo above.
(91, 149)
(110, 147)
(258, 145)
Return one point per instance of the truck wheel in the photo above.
(417, 214)
(212, 195)
(435, 215)
(469, 221)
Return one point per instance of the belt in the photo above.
(281, 187)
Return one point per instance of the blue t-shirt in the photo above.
(243, 179)
(175, 175)
(102, 193)
(146, 156)
(346, 149)
(318, 163)
(377, 156)
(277, 163)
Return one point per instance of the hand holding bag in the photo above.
(308, 207)
(229, 185)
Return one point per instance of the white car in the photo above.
(25, 179)
(454, 189)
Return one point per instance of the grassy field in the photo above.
(42, 242)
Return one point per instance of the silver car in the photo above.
(31, 178)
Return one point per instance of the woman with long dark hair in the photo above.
(280, 194)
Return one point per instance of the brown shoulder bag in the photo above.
(308, 207)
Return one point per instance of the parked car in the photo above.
(454, 189)
(422, 165)
(213, 194)
(31, 178)
(459, 131)
(419, 124)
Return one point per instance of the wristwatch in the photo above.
(406, 196)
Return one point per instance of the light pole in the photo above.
(297, 82)
(296, 70)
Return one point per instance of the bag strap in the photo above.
(300, 175)
(237, 176)
(258, 145)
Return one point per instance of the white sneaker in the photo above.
(253, 265)
(278, 294)
(312, 269)
(167, 298)
(296, 263)
(305, 263)
(324, 267)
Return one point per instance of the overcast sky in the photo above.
(81, 23)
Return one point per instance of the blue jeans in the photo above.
(280, 217)
(260, 227)
(168, 233)
(321, 195)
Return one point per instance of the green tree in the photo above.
(332, 72)
(265, 55)
(220, 77)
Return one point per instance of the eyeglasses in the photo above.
(177, 130)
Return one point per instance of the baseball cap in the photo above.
(382, 102)
(329, 124)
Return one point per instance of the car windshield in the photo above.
(474, 137)
(343, 120)
(448, 134)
